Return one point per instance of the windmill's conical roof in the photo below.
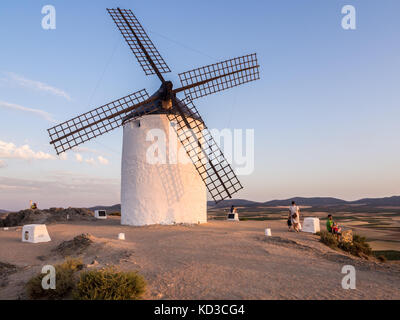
(155, 107)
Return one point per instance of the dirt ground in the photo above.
(217, 260)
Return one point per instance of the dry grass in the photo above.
(359, 247)
(65, 281)
(109, 284)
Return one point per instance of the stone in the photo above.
(347, 236)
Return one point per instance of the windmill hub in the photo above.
(153, 193)
(167, 95)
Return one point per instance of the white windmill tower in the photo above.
(158, 192)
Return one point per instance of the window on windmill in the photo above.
(137, 123)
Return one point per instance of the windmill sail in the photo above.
(142, 47)
(201, 148)
(94, 123)
(219, 76)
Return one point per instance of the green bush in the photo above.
(359, 247)
(329, 239)
(109, 284)
(65, 281)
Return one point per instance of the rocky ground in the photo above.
(46, 216)
(217, 260)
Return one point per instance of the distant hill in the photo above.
(313, 201)
(233, 202)
(3, 211)
(114, 208)
(379, 202)
(316, 201)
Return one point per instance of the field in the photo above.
(380, 225)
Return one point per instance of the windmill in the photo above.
(163, 193)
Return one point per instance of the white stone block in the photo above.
(121, 236)
(35, 233)
(311, 225)
(100, 214)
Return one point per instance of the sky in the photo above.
(325, 112)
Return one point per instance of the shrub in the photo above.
(65, 281)
(359, 247)
(109, 284)
(329, 239)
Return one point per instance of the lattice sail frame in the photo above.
(94, 123)
(143, 38)
(208, 159)
(229, 73)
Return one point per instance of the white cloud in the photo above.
(3, 164)
(59, 188)
(103, 160)
(90, 151)
(9, 150)
(84, 150)
(37, 85)
(78, 157)
(63, 156)
(90, 161)
(40, 113)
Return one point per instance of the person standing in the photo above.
(295, 216)
(289, 221)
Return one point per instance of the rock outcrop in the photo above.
(51, 215)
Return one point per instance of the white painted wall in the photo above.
(158, 193)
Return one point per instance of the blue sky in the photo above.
(325, 112)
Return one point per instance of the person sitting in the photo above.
(332, 226)
(329, 223)
(336, 229)
(34, 206)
